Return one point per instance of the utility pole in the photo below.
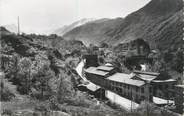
(18, 26)
(131, 100)
(148, 97)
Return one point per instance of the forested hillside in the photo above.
(159, 23)
(39, 75)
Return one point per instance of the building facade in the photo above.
(120, 83)
(162, 84)
(179, 98)
(137, 47)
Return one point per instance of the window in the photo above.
(137, 89)
(172, 86)
(136, 96)
(142, 90)
(116, 84)
(150, 89)
(125, 93)
(124, 86)
(117, 89)
(142, 98)
(120, 90)
(160, 87)
(129, 94)
(155, 87)
(150, 98)
(112, 84)
(166, 86)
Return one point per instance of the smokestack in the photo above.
(18, 25)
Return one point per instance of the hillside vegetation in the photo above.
(39, 76)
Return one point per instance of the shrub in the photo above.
(7, 112)
(43, 107)
(5, 94)
(53, 104)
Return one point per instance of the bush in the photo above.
(22, 89)
(42, 108)
(53, 104)
(7, 112)
(5, 94)
(147, 108)
(78, 102)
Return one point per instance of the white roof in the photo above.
(125, 78)
(181, 86)
(160, 101)
(154, 51)
(94, 70)
(108, 64)
(168, 80)
(105, 68)
(92, 86)
(147, 77)
(146, 73)
(121, 75)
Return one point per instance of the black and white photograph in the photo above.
(91, 58)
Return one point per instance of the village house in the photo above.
(91, 60)
(137, 47)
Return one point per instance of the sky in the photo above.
(42, 16)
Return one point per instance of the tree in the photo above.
(65, 89)
(25, 73)
(42, 79)
(178, 61)
(168, 57)
(147, 109)
(104, 45)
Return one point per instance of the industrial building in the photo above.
(120, 83)
(137, 86)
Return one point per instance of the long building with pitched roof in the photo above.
(137, 86)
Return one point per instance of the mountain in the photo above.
(11, 27)
(93, 32)
(159, 23)
(66, 28)
(4, 31)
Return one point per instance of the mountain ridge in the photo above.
(11, 27)
(66, 28)
(157, 19)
